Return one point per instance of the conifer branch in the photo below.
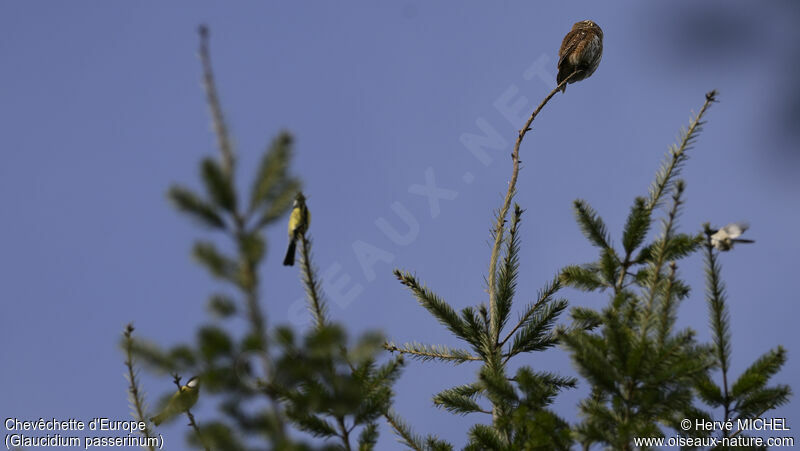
(272, 190)
(437, 306)
(382, 375)
(758, 373)
(403, 431)
(476, 326)
(591, 224)
(667, 317)
(319, 313)
(249, 243)
(313, 424)
(677, 154)
(194, 426)
(544, 296)
(636, 227)
(312, 284)
(661, 254)
(454, 400)
(344, 432)
(639, 219)
(135, 395)
(536, 334)
(719, 316)
(487, 437)
(498, 231)
(546, 377)
(768, 398)
(218, 185)
(424, 352)
(258, 323)
(220, 266)
(507, 275)
(582, 277)
(583, 319)
(218, 119)
(188, 202)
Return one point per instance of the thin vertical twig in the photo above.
(135, 394)
(494, 326)
(679, 152)
(311, 283)
(319, 312)
(656, 276)
(240, 232)
(218, 119)
(715, 289)
(501, 216)
(344, 433)
(666, 172)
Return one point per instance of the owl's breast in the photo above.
(592, 51)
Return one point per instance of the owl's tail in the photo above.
(559, 78)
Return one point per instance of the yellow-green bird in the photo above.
(180, 402)
(298, 224)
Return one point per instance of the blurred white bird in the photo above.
(724, 238)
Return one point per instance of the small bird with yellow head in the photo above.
(183, 400)
(299, 220)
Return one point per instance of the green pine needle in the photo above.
(424, 353)
(756, 376)
(636, 226)
(676, 156)
(218, 185)
(440, 309)
(507, 275)
(591, 224)
(217, 264)
(190, 203)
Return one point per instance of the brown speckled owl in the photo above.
(581, 50)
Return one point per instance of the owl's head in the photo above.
(587, 25)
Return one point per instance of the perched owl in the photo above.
(581, 50)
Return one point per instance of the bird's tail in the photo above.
(742, 240)
(158, 419)
(560, 77)
(289, 259)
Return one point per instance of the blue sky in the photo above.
(101, 110)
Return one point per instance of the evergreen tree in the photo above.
(748, 397)
(264, 383)
(644, 374)
(641, 370)
(517, 403)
